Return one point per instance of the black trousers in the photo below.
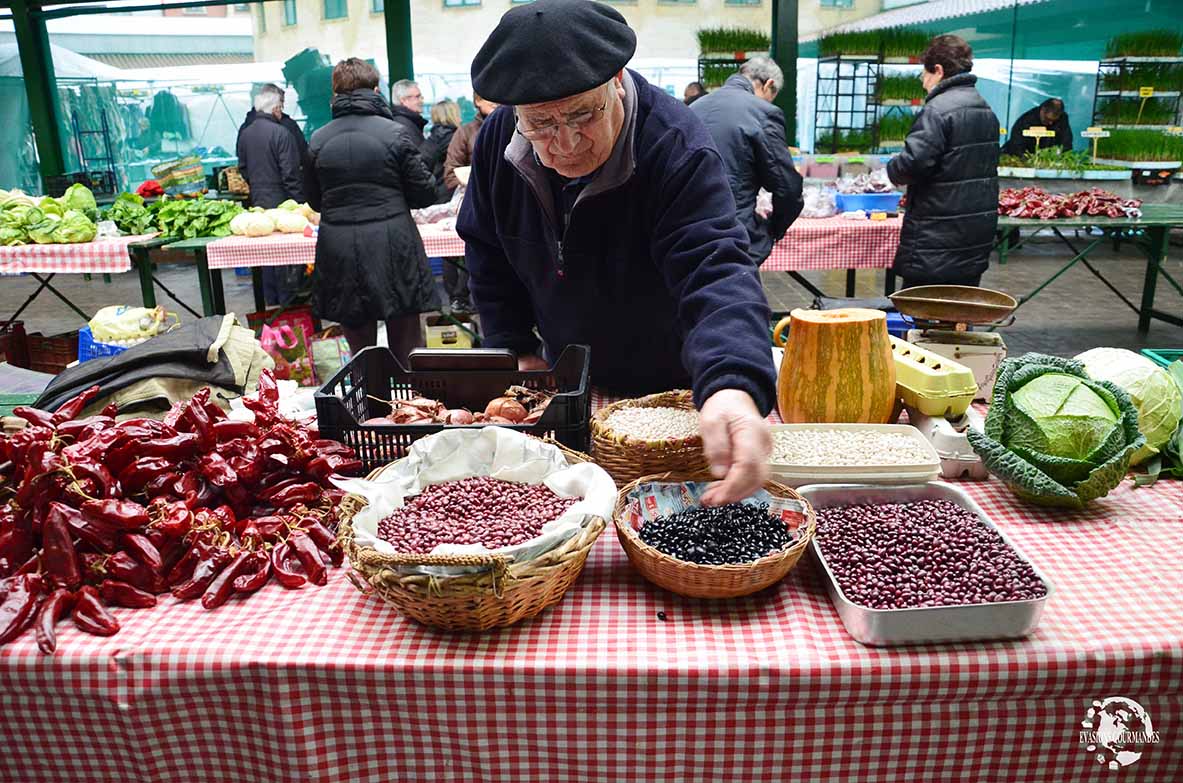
(455, 280)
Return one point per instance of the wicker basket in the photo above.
(711, 581)
(502, 593)
(627, 459)
(230, 179)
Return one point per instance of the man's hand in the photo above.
(737, 444)
(532, 363)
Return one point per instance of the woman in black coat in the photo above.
(365, 175)
(950, 165)
(445, 119)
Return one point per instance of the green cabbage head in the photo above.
(80, 198)
(1055, 436)
(74, 227)
(1152, 390)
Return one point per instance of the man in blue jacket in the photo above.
(598, 212)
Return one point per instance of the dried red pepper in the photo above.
(325, 540)
(309, 556)
(53, 609)
(122, 594)
(204, 572)
(256, 573)
(229, 429)
(295, 494)
(91, 616)
(16, 547)
(286, 567)
(144, 551)
(59, 556)
(19, 606)
(122, 514)
(35, 417)
(222, 586)
(71, 408)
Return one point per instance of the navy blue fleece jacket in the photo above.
(649, 267)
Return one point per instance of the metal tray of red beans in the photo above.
(920, 564)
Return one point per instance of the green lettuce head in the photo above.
(42, 231)
(50, 206)
(1055, 436)
(74, 227)
(12, 236)
(80, 198)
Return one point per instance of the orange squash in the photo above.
(838, 367)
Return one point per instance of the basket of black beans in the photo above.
(712, 551)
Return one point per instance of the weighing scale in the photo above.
(943, 315)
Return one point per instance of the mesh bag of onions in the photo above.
(478, 491)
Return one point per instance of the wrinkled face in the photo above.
(485, 107)
(413, 100)
(931, 79)
(574, 136)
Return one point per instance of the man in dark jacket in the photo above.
(407, 109)
(1050, 115)
(598, 213)
(749, 131)
(950, 165)
(285, 120)
(269, 160)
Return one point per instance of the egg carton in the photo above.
(948, 437)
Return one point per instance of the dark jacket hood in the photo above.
(361, 102)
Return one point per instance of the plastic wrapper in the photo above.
(819, 202)
(874, 182)
(652, 500)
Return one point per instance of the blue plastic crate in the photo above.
(89, 349)
(869, 202)
(437, 266)
(1163, 356)
(898, 325)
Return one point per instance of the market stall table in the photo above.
(835, 243)
(1151, 232)
(44, 262)
(327, 684)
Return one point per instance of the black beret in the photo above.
(552, 49)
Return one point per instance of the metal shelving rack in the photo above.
(1124, 70)
(845, 98)
(733, 59)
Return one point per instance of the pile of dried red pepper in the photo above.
(1032, 202)
(97, 513)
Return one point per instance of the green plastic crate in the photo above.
(10, 401)
(1163, 356)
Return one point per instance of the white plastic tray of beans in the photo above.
(798, 475)
(926, 624)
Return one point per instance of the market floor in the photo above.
(1073, 314)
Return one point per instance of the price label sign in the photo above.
(878, 216)
(1145, 92)
(1002, 131)
(1039, 133)
(1094, 132)
(1175, 130)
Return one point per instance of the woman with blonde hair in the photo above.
(445, 119)
(364, 176)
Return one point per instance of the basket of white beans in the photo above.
(648, 436)
(858, 453)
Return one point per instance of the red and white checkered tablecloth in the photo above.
(98, 257)
(287, 249)
(325, 684)
(835, 243)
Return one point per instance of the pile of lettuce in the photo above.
(1054, 435)
(130, 215)
(195, 217)
(47, 221)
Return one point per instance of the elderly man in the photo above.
(269, 159)
(750, 134)
(598, 212)
(407, 109)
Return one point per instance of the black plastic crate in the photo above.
(347, 400)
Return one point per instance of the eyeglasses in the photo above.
(575, 122)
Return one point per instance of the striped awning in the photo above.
(160, 60)
(921, 13)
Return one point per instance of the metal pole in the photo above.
(40, 86)
(399, 55)
(784, 52)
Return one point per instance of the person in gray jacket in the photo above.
(749, 131)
